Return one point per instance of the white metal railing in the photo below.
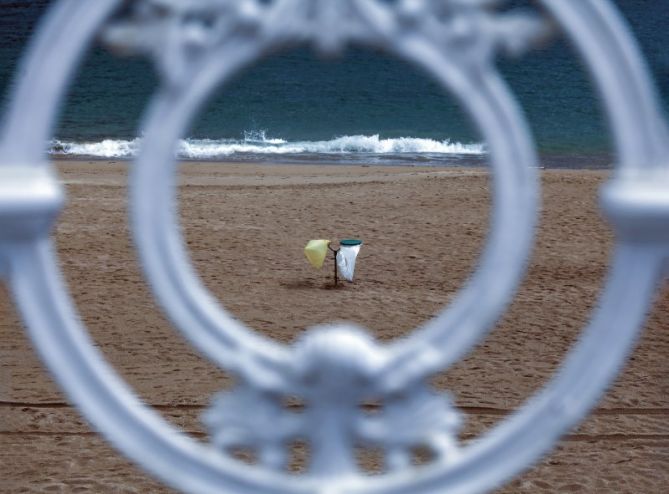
(197, 46)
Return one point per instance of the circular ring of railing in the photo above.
(184, 463)
(221, 337)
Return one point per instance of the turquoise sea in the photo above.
(362, 108)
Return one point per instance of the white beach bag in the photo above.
(346, 260)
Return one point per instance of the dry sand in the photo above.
(246, 226)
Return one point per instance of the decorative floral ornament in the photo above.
(180, 35)
(337, 374)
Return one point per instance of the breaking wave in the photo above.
(257, 143)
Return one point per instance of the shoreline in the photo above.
(549, 161)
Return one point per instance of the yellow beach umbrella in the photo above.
(316, 250)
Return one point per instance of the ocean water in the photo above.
(364, 107)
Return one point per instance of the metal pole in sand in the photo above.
(336, 275)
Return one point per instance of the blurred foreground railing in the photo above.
(197, 46)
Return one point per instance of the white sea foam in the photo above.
(108, 148)
(258, 143)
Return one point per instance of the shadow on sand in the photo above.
(312, 284)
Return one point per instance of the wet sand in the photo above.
(423, 229)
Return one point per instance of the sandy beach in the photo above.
(246, 226)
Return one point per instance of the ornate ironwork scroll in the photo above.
(197, 45)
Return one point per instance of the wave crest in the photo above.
(258, 143)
